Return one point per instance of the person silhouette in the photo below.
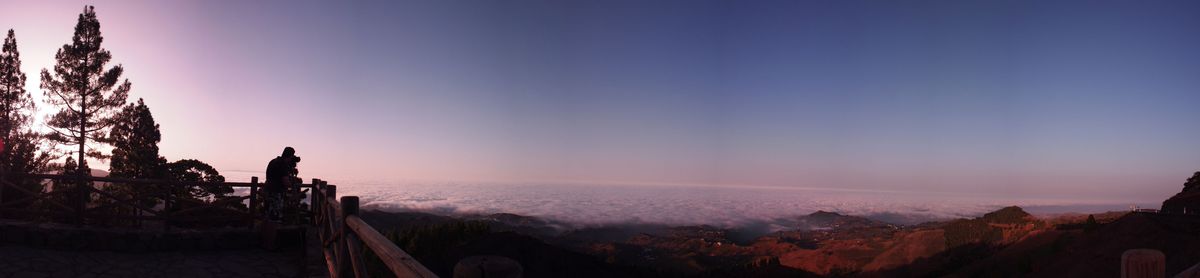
(280, 180)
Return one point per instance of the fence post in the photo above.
(349, 207)
(330, 192)
(315, 201)
(253, 206)
(80, 194)
(350, 240)
(312, 201)
(331, 228)
(1143, 263)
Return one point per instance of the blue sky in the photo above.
(1095, 99)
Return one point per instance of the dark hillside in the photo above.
(1098, 253)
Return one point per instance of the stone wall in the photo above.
(70, 237)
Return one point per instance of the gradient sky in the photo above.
(1089, 99)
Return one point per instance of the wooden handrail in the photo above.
(343, 234)
(397, 260)
(341, 231)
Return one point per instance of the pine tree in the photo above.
(16, 104)
(87, 94)
(134, 137)
(19, 151)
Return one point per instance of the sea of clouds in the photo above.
(723, 206)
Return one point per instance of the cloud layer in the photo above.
(589, 205)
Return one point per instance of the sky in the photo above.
(1094, 99)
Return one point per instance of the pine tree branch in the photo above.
(65, 101)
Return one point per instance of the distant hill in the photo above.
(95, 173)
(1005, 242)
(831, 220)
(1008, 242)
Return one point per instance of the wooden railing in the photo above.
(343, 234)
(77, 200)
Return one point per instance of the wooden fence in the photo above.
(81, 200)
(77, 200)
(343, 235)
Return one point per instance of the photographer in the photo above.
(280, 180)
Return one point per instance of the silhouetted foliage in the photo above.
(135, 137)
(222, 214)
(1193, 183)
(67, 167)
(1187, 201)
(90, 99)
(87, 94)
(1090, 224)
(20, 153)
(195, 170)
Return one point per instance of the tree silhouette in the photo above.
(134, 137)
(1193, 183)
(86, 93)
(195, 170)
(191, 170)
(19, 152)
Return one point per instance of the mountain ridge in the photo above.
(826, 243)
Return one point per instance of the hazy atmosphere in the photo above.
(598, 138)
(1084, 100)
